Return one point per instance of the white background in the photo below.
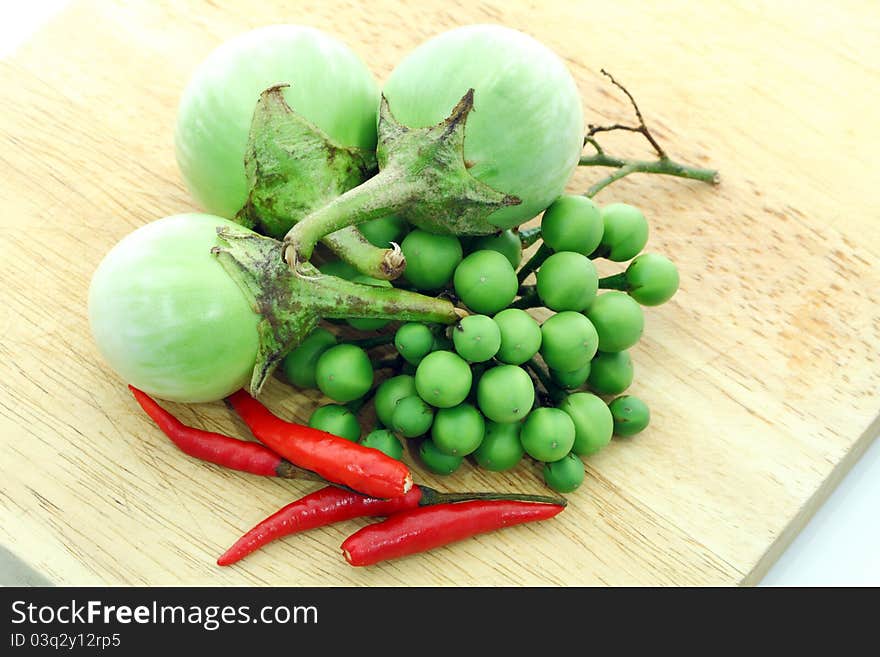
(841, 544)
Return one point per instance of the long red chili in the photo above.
(318, 509)
(217, 448)
(336, 459)
(425, 528)
(331, 504)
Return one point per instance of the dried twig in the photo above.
(662, 165)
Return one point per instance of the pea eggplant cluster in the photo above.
(502, 383)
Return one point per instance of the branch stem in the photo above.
(375, 341)
(614, 282)
(356, 405)
(528, 299)
(625, 167)
(392, 363)
(662, 165)
(528, 236)
(534, 262)
(555, 392)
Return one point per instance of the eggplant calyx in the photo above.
(423, 177)
(291, 303)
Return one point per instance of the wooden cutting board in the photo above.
(763, 373)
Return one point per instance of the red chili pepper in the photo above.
(329, 505)
(318, 509)
(336, 459)
(217, 448)
(418, 530)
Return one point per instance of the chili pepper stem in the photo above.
(423, 176)
(431, 496)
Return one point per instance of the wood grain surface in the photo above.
(763, 373)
